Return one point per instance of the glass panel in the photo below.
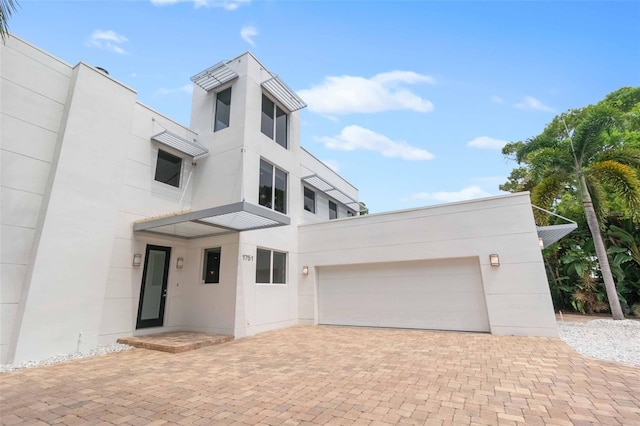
(211, 270)
(152, 296)
(223, 109)
(281, 191)
(263, 266)
(168, 168)
(279, 268)
(333, 210)
(265, 192)
(281, 127)
(309, 200)
(266, 124)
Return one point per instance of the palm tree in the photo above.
(583, 150)
(7, 7)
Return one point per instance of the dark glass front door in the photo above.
(153, 291)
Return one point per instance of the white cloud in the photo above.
(247, 33)
(163, 91)
(467, 193)
(352, 138)
(485, 142)
(352, 94)
(497, 99)
(107, 40)
(531, 103)
(224, 4)
(332, 164)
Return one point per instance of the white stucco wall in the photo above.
(516, 292)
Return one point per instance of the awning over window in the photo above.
(214, 76)
(324, 186)
(283, 94)
(191, 148)
(235, 217)
(551, 234)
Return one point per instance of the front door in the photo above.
(153, 291)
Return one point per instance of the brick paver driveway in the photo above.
(333, 375)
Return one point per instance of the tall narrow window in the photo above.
(223, 109)
(168, 168)
(272, 192)
(274, 121)
(309, 200)
(211, 267)
(271, 267)
(333, 210)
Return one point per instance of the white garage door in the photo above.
(438, 295)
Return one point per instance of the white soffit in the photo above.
(283, 94)
(214, 76)
(192, 149)
(551, 234)
(324, 186)
(235, 217)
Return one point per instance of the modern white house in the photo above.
(118, 221)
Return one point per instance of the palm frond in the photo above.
(586, 138)
(624, 155)
(545, 193)
(598, 197)
(620, 178)
(7, 7)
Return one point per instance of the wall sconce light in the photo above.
(180, 263)
(541, 243)
(494, 259)
(305, 270)
(137, 259)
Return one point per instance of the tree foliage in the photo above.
(7, 8)
(585, 165)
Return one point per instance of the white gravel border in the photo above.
(604, 339)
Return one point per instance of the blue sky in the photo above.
(409, 100)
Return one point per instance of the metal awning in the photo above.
(324, 186)
(552, 233)
(283, 94)
(191, 148)
(236, 217)
(214, 76)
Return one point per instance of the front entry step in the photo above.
(175, 341)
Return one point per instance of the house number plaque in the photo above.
(247, 257)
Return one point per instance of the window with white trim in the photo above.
(168, 168)
(223, 110)
(272, 192)
(309, 200)
(274, 121)
(271, 267)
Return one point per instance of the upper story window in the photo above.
(168, 168)
(223, 110)
(309, 200)
(274, 121)
(333, 210)
(272, 192)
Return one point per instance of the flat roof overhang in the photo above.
(553, 233)
(236, 217)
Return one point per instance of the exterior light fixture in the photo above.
(137, 259)
(494, 259)
(305, 270)
(541, 243)
(180, 263)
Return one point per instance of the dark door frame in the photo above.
(154, 322)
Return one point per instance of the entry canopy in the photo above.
(553, 233)
(324, 186)
(191, 148)
(236, 217)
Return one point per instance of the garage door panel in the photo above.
(445, 295)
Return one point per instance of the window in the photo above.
(309, 200)
(168, 168)
(333, 210)
(274, 121)
(350, 213)
(211, 266)
(273, 187)
(223, 109)
(271, 267)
